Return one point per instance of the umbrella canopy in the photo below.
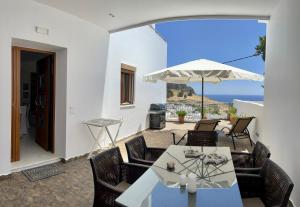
(201, 71)
(197, 70)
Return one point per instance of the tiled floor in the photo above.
(32, 154)
(75, 186)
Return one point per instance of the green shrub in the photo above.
(232, 110)
(214, 109)
(181, 113)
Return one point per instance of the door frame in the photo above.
(15, 99)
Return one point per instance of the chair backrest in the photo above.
(201, 138)
(260, 154)
(107, 166)
(277, 185)
(136, 148)
(241, 124)
(206, 125)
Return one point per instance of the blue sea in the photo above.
(229, 98)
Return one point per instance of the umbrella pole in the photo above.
(202, 110)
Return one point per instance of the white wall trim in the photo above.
(178, 18)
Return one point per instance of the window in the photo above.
(127, 84)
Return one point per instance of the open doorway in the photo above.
(32, 105)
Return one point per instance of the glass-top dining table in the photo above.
(159, 186)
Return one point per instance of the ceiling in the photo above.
(115, 15)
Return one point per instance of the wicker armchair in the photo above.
(202, 138)
(239, 130)
(112, 176)
(242, 161)
(272, 187)
(138, 152)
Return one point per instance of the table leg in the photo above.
(96, 140)
(117, 134)
(110, 137)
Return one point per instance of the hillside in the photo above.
(185, 96)
(179, 87)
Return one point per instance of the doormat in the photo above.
(43, 172)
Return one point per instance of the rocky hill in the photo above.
(181, 89)
(181, 93)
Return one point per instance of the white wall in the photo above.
(251, 108)
(82, 66)
(282, 90)
(145, 50)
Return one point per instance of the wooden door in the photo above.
(46, 113)
(43, 102)
(15, 104)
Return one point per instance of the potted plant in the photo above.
(181, 115)
(232, 114)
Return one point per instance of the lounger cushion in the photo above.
(206, 125)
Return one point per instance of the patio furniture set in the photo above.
(206, 130)
(198, 174)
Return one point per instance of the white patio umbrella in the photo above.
(201, 70)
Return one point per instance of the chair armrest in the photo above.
(241, 153)
(156, 152)
(141, 161)
(251, 185)
(174, 137)
(134, 171)
(227, 129)
(111, 188)
(248, 170)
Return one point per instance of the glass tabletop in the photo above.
(159, 186)
(102, 122)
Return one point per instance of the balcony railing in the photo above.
(212, 111)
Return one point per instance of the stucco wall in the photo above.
(145, 50)
(251, 108)
(282, 86)
(80, 72)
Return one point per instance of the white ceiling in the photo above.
(131, 13)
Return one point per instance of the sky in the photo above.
(217, 40)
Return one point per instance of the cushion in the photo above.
(206, 125)
(253, 202)
(123, 185)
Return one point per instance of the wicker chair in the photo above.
(239, 130)
(112, 176)
(242, 161)
(138, 152)
(203, 125)
(272, 187)
(202, 138)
